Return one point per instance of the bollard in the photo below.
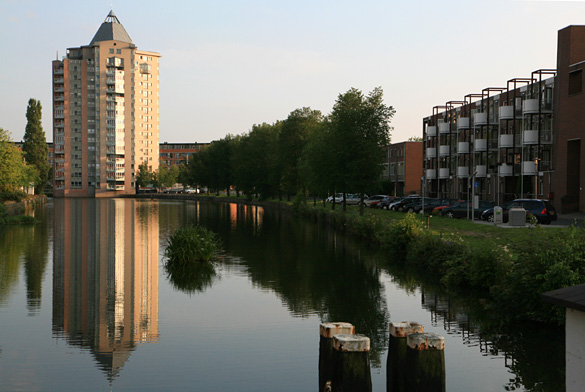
(395, 369)
(351, 364)
(425, 362)
(327, 331)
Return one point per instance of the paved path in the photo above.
(563, 220)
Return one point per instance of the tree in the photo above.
(415, 139)
(294, 135)
(14, 172)
(361, 127)
(256, 161)
(144, 175)
(36, 151)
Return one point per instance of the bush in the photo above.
(191, 244)
(13, 195)
(397, 238)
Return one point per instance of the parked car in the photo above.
(407, 200)
(542, 209)
(384, 204)
(433, 203)
(373, 200)
(460, 209)
(338, 198)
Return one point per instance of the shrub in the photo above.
(191, 244)
(13, 195)
(397, 237)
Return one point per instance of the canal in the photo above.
(86, 304)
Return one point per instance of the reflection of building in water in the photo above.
(105, 279)
(250, 216)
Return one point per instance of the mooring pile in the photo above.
(416, 360)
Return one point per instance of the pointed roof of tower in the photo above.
(111, 30)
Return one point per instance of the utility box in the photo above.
(498, 215)
(517, 217)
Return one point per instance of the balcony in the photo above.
(506, 112)
(480, 171)
(463, 148)
(505, 170)
(58, 80)
(480, 145)
(480, 119)
(462, 171)
(431, 174)
(59, 90)
(529, 168)
(530, 137)
(444, 151)
(444, 173)
(444, 128)
(431, 131)
(58, 71)
(530, 106)
(506, 141)
(463, 123)
(431, 152)
(59, 98)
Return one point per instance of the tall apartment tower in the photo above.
(105, 114)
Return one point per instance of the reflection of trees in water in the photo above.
(191, 278)
(27, 244)
(312, 269)
(534, 354)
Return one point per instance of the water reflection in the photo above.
(105, 277)
(267, 247)
(25, 245)
(192, 278)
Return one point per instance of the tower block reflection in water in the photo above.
(105, 279)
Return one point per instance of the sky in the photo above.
(227, 65)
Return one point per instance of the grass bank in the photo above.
(503, 270)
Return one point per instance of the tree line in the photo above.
(29, 166)
(308, 153)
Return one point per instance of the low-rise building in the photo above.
(403, 167)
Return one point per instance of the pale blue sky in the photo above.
(230, 64)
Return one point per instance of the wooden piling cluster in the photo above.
(416, 360)
(344, 364)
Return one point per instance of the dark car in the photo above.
(542, 209)
(432, 203)
(384, 204)
(399, 206)
(460, 209)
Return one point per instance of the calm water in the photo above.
(85, 304)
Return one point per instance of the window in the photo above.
(575, 82)
(111, 50)
(119, 51)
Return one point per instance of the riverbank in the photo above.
(500, 270)
(17, 212)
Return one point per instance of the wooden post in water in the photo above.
(351, 364)
(326, 331)
(395, 365)
(425, 362)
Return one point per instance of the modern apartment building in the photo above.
(403, 167)
(175, 154)
(521, 139)
(105, 114)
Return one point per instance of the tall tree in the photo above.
(294, 135)
(36, 151)
(361, 127)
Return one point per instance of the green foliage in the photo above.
(13, 195)
(399, 235)
(14, 172)
(144, 175)
(191, 244)
(36, 151)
